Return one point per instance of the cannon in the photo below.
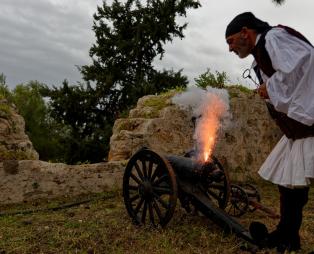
(153, 183)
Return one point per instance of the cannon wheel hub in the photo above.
(146, 189)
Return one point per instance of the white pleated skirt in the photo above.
(291, 163)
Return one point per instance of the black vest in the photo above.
(291, 128)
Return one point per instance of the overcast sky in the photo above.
(45, 40)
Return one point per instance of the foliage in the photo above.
(80, 109)
(4, 90)
(5, 111)
(2, 79)
(44, 133)
(217, 80)
(128, 38)
(42, 130)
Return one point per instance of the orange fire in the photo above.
(208, 125)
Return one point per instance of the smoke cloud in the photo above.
(210, 109)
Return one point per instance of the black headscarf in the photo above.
(248, 20)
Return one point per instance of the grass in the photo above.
(5, 110)
(157, 103)
(103, 226)
(240, 88)
(14, 155)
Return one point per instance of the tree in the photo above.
(42, 130)
(129, 37)
(88, 130)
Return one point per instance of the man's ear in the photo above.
(244, 32)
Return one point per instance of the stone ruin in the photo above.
(155, 123)
(241, 148)
(14, 143)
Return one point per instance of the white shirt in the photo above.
(291, 91)
(291, 87)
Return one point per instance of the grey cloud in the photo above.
(41, 41)
(45, 39)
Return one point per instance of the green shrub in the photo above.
(216, 80)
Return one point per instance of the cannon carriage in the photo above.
(153, 183)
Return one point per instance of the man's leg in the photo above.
(292, 202)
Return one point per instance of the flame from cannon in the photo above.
(213, 109)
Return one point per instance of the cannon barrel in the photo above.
(185, 168)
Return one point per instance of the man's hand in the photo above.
(262, 91)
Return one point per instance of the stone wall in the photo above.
(241, 148)
(24, 178)
(27, 180)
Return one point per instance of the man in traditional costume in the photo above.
(284, 65)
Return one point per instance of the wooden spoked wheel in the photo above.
(239, 202)
(149, 189)
(218, 188)
(253, 194)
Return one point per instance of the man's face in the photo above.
(239, 44)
